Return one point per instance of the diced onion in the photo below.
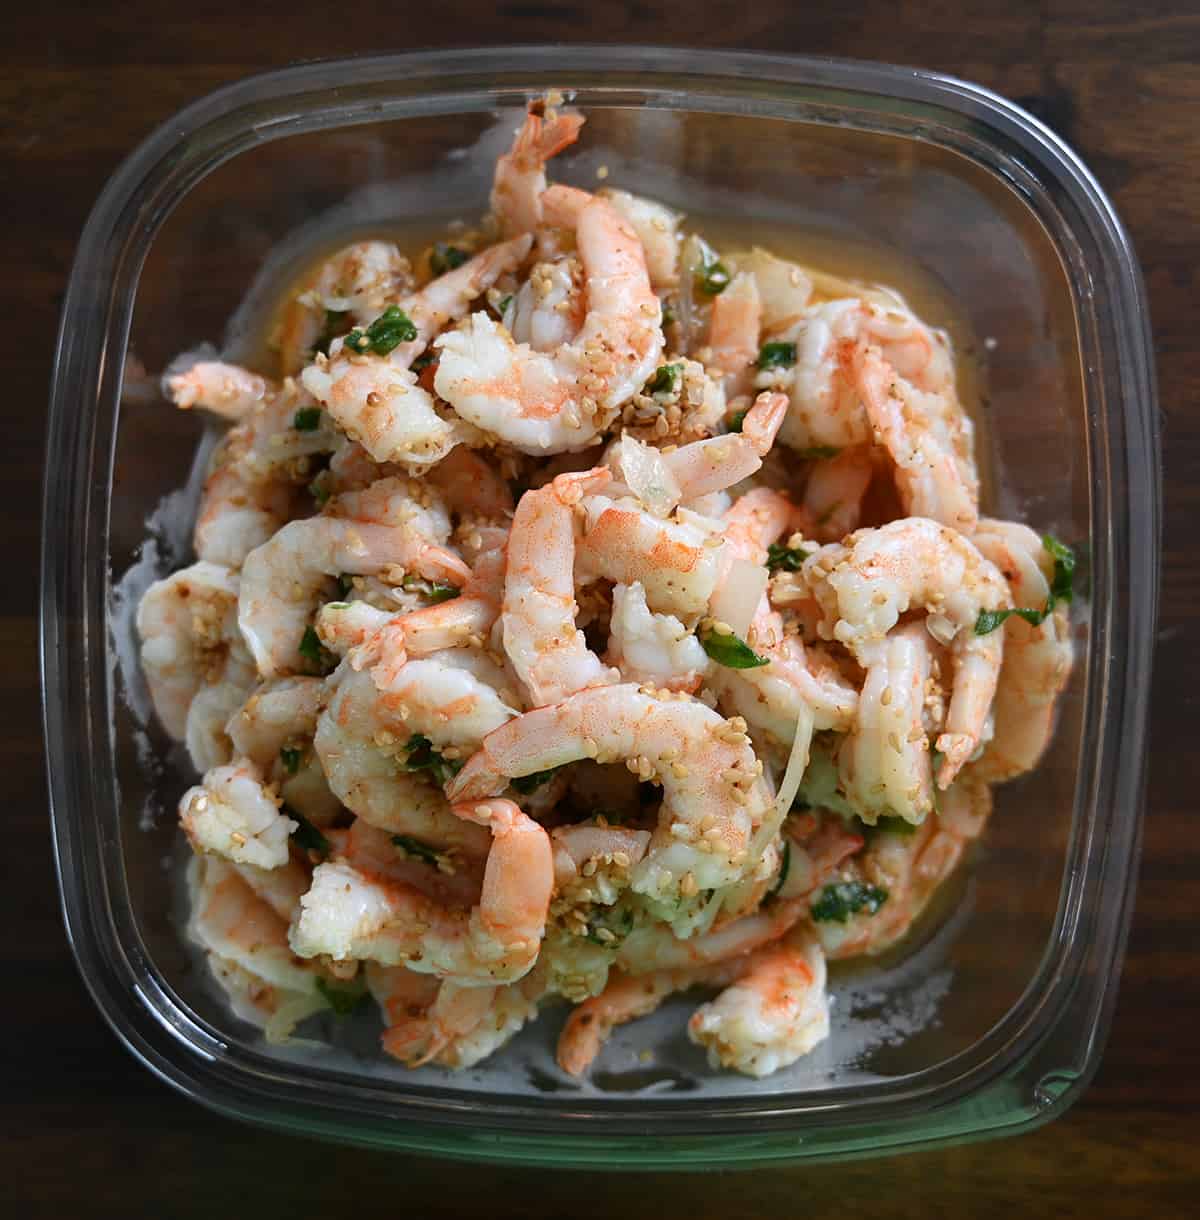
(797, 762)
(646, 475)
(737, 598)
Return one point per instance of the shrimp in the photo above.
(1037, 660)
(231, 813)
(227, 390)
(549, 308)
(282, 579)
(714, 796)
(884, 762)
(908, 868)
(376, 399)
(834, 493)
(279, 712)
(365, 741)
(353, 285)
(654, 648)
(346, 914)
(733, 326)
(471, 486)
(657, 228)
(554, 402)
(546, 649)
(784, 289)
(865, 584)
(191, 647)
(247, 946)
(520, 179)
(775, 1012)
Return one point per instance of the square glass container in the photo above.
(991, 1021)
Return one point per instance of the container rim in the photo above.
(967, 1098)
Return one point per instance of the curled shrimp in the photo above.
(714, 796)
(233, 814)
(1037, 659)
(734, 324)
(375, 399)
(834, 493)
(546, 649)
(865, 585)
(548, 309)
(652, 648)
(545, 403)
(347, 914)
(520, 177)
(657, 228)
(227, 390)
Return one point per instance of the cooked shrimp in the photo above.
(376, 399)
(191, 647)
(277, 713)
(1037, 660)
(884, 762)
(713, 794)
(549, 308)
(553, 402)
(346, 914)
(471, 486)
(520, 178)
(657, 228)
(865, 585)
(834, 492)
(775, 1012)
(282, 579)
(546, 649)
(734, 324)
(228, 390)
(784, 289)
(233, 814)
(654, 648)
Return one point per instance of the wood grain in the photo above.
(90, 1133)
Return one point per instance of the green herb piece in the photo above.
(1061, 589)
(345, 584)
(886, 824)
(416, 849)
(335, 323)
(783, 871)
(311, 649)
(343, 1000)
(434, 590)
(665, 380)
(730, 650)
(503, 303)
(817, 453)
(668, 316)
(525, 784)
(736, 420)
(776, 355)
(422, 362)
(306, 836)
(388, 331)
(845, 898)
(319, 489)
(785, 558)
(291, 759)
(421, 756)
(307, 419)
(713, 278)
(445, 258)
(611, 929)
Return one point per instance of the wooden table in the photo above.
(88, 1131)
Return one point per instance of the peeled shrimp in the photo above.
(549, 308)
(652, 648)
(775, 1012)
(834, 492)
(520, 178)
(376, 399)
(228, 390)
(232, 814)
(346, 914)
(554, 402)
(734, 324)
(713, 794)
(866, 584)
(546, 649)
(657, 228)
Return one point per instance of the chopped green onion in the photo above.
(311, 649)
(730, 650)
(886, 824)
(421, 756)
(668, 316)
(713, 278)
(335, 321)
(503, 303)
(434, 590)
(343, 1000)
(423, 361)
(838, 902)
(525, 784)
(291, 759)
(785, 558)
(416, 849)
(665, 379)
(736, 420)
(784, 867)
(345, 584)
(307, 837)
(388, 331)
(319, 489)
(1061, 590)
(445, 258)
(777, 356)
(817, 453)
(307, 419)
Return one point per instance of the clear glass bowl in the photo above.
(991, 1021)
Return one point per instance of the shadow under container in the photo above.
(988, 203)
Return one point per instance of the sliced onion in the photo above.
(646, 475)
(737, 597)
(797, 762)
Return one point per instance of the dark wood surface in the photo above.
(87, 1132)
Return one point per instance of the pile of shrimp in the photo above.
(583, 612)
